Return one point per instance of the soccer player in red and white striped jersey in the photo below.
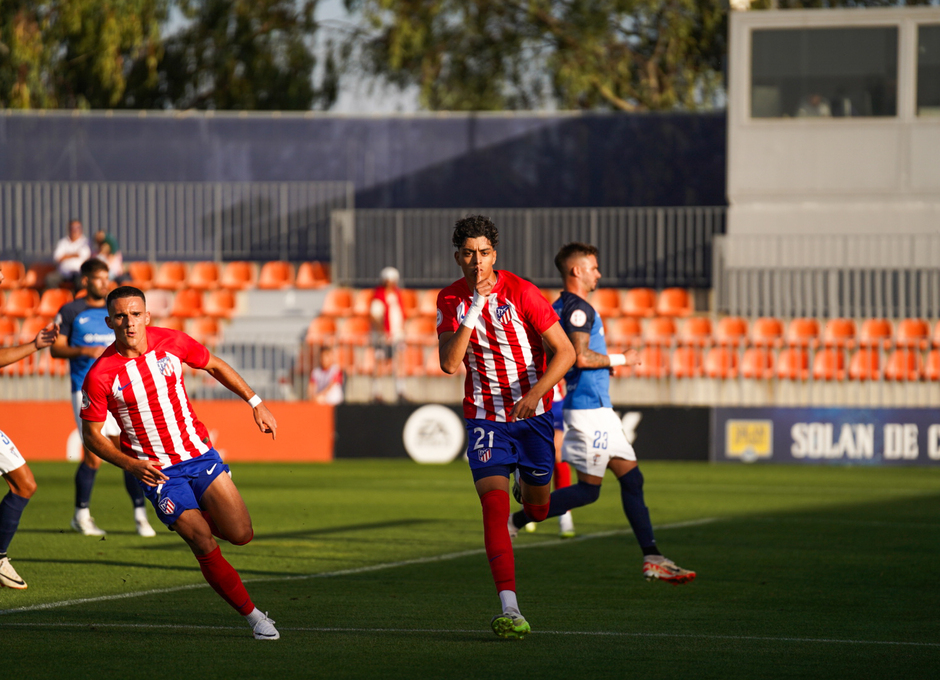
(139, 379)
(499, 326)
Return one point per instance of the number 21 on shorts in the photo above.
(481, 434)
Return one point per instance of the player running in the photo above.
(83, 336)
(13, 467)
(594, 438)
(139, 379)
(495, 323)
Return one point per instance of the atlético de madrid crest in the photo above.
(165, 366)
(484, 455)
(166, 506)
(504, 313)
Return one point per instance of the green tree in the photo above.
(628, 55)
(75, 53)
(239, 54)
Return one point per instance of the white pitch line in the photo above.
(346, 572)
(462, 631)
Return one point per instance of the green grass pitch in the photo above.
(802, 572)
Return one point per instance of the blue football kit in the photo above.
(588, 387)
(83, 326)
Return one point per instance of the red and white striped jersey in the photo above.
(147, 397)
(505, 357)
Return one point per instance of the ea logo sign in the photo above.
(433, 434)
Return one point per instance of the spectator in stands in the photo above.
(326, 380)
(814, 106)
(109, 254)
(388, 323)
(70, 252)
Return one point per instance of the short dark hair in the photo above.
(122, 292)
(570, 249)
(475, 226)
(90, 267)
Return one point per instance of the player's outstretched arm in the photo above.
(230, 379)
(43, 339)
(102, 447)
(562, 358)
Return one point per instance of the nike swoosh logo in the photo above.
(209, 471)
(539, 474)
(121, 388)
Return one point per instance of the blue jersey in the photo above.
(83, 326)
(587, 387)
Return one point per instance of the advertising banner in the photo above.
(666, 432)
(820, 436)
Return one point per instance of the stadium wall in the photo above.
(452, 160)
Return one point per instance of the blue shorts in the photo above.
(499, 448)
(558, 415)
(187, 483)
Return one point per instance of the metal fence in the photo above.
(639, 247)
(893, 276)
(175, 221)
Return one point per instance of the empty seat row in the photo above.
(16, 275)
(345, 302)
(611, 303)
(23, 303)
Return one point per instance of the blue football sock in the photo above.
(631, 494)
(134, 490)
(563, 500)
(11, 508)
(84, 482)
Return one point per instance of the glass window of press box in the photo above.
(824, 72)
(928, 70)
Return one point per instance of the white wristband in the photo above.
(618, 360)
(476, 307)
(254, 401)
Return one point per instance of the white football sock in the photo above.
(507, 599)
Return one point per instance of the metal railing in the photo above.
(639, 247)
(175, 220)
(893, 276)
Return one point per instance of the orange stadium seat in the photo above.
(674, 302)
(766, 332)
(320, 331)
(13, 274)
(839, 333)
(338, 303)
(904, 364)
(936, 335)
(623, 332)
(687, 362)
(411, 360)
(36, 274)
(52, 300)
(9, 329)
(172, 322)
(204, 276)
(932, 365)
(639, 302)
(141, 274)
(32, 326)
(912, 333)
(21, 303)
(421, 330)
(607, 302)
(829, 364)
(187, 304)
(793, 364)
(653, 362)
(354, 329)
(159, 302)
(731, 330)
(362, 300)
(276, 275)
(170, 276)
(427, 302)
(802, 333)
(432, 365)
(721, 362)
(697, 330)
(864, 364)
(311, 275)
(660, 331)
(875, 332)
(219, 304)
(206, 330)
(757, 363)
(238, 275)
(409, 302)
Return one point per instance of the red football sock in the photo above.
(562, 476)
(496, 539)
(536, 512)
(225, 581)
